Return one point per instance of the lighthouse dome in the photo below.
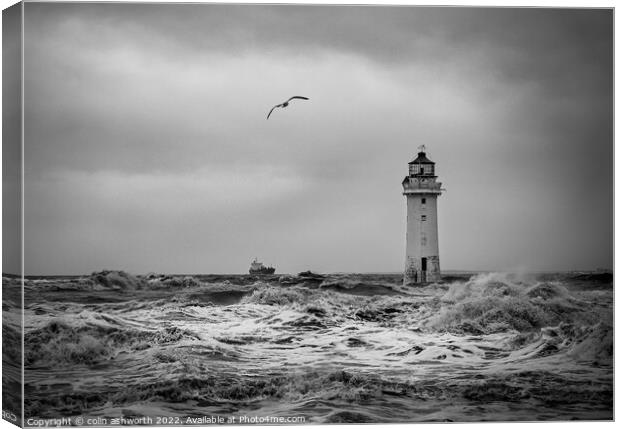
(421, 159)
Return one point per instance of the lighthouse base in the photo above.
(420, 270)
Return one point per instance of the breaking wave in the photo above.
(65, 342)
(491, 303)
(583, 343)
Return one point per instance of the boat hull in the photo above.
(265, 270)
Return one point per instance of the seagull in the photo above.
(286, 103)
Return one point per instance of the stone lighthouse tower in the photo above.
(421, 189)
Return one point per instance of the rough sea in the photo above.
(339, 348)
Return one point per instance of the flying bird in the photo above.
(286, 103)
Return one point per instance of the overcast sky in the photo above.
(147, 147)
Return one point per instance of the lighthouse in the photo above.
(421, 189)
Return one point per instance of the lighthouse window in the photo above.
(423, 218)
(423, 200)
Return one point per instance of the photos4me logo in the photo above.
(7, 415)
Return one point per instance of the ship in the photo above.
(258, 268)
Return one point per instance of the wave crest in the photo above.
(61, 342)
(495, 302)
(272, 295)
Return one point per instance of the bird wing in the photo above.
(297, 96)
(269, 114)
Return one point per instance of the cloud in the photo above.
(159, 109)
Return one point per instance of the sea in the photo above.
(312, 349)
